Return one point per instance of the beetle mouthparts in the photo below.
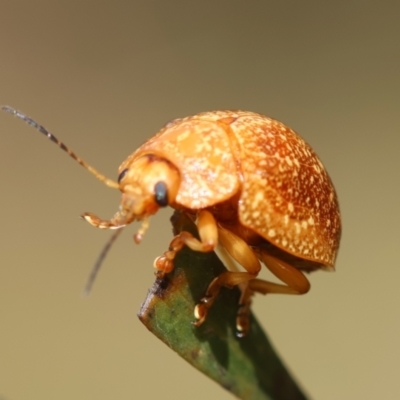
(138, 236)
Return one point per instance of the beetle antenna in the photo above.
(61, 145)
(99, 262)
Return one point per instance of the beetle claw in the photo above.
(163, 265)
(200, 313)
(201, 310)
(159, 274)
(243, 320)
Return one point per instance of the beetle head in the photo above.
(147, 183)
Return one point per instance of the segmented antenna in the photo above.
(99, 261)
(42, 129)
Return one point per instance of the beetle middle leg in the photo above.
(208, 232)
(240, 251)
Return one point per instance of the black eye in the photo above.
(122, 174)
(161, 194)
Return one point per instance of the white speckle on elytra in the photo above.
(289, 161)
(271, 233)
(283, 137)
(294, 205)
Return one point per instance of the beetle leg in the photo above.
(296, 282)
(228, 279)
(240, 251)
(243, 314)
(207, 228)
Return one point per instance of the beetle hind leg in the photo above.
(294, 280)
(296, 283)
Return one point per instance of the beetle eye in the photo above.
(122, 174)
(161, 194)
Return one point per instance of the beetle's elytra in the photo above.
(251, 184)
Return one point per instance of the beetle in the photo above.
(253, 187)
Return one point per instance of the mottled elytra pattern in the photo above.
(286, 196)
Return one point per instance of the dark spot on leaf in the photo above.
(160, 286)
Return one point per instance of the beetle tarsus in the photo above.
(201, 310)
(243, 320)
(165, 263)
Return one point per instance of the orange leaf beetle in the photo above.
(251, 184)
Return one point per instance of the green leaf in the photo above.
(248, 367)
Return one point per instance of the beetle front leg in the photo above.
(208, 232)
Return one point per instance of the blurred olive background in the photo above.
(104, 76)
